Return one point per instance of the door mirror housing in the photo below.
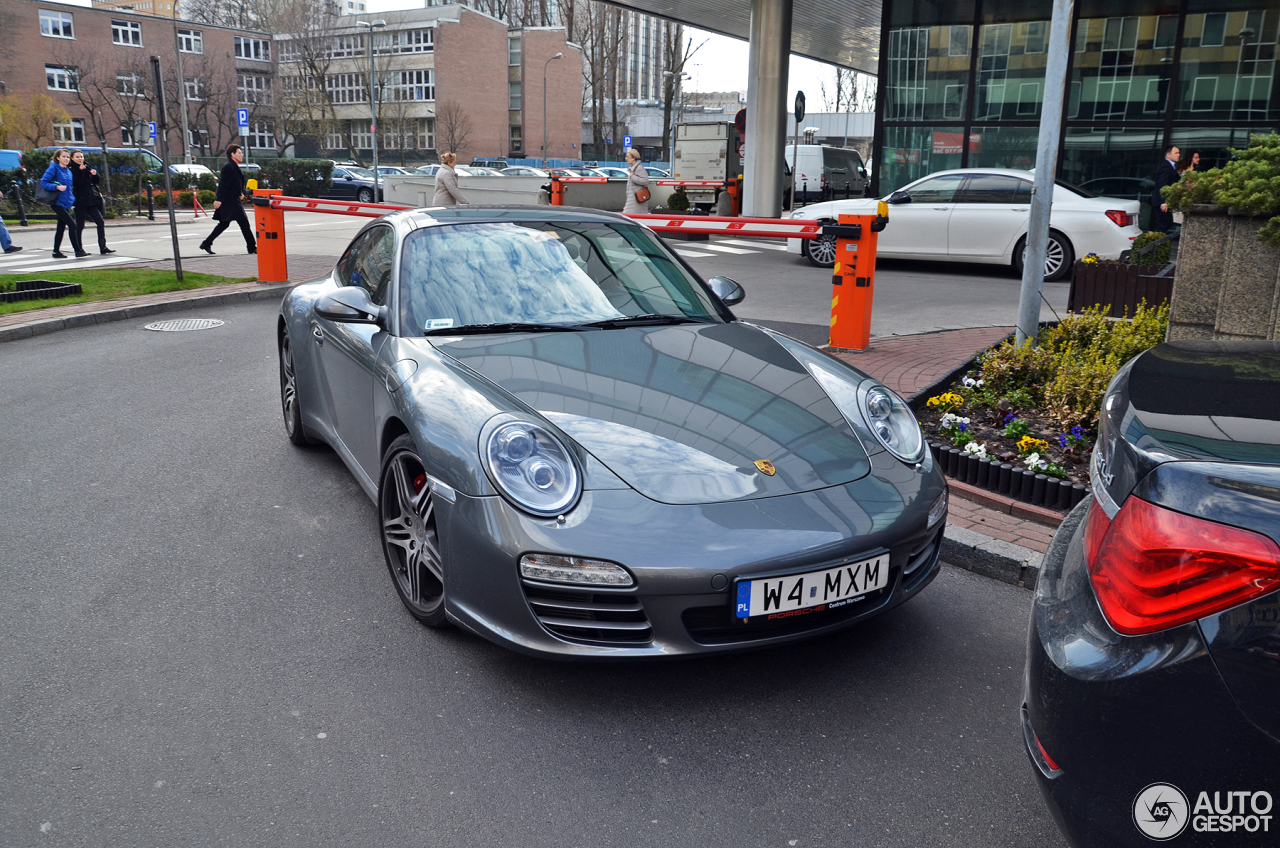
(351, 305)
(730, 292)
(900, 196)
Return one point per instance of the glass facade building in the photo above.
(962, 84)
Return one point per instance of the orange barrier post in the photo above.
(853, 283)
(557, 192)
(273, 261)
(734, 187)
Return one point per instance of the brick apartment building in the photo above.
(95, 63)
(448, 76)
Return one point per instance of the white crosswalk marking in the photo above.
(763, 245)
(44, 264)
(693, 254)
(724, 249)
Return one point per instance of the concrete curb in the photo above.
(127, 313)
(994, 558)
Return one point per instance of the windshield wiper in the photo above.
(508, 327)
(642, 320)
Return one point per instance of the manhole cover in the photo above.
(185, 324)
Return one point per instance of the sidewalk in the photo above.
(986, 533)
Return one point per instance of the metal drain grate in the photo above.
(184, 324)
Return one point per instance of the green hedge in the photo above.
(1248, 184)
(298, 177)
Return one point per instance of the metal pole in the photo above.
(1055, 77)
(17, 195)
(373, 117)
(545, 65)
(770, 49)
(163, 127)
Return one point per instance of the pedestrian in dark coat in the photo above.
(84, 184)
(227, 205)
(1166, 174)
(57, 177)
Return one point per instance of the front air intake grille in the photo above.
(591, 616)
(921, 559)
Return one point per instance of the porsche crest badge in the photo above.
(766, 467)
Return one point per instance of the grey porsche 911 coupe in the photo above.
(577, 451)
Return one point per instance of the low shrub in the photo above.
(1248, 184)
(678, 201)
(185, 198)
(298, 177)
(1157, 256)
(206, 198)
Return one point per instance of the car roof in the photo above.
(414, 219)
(1007, 172)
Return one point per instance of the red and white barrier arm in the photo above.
(691, 183)
(334, 207)
(712, 225)
(581, 179)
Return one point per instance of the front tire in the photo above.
(290, 404)
(365, 195)
(410, 543)
(820, 251)
(1058, 256)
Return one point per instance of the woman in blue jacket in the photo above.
(58, 178)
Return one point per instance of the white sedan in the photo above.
(981, 215)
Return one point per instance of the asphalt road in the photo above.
(202, 647)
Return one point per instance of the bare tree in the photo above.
(850, 91)
(453, 127)
(306, 70)
(676, 53)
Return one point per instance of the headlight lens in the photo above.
(532, 468)
(893, 423)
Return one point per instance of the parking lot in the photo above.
(203, 647)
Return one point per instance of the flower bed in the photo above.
(1023, 420)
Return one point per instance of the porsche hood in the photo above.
(691, 413)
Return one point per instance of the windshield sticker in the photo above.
(437, 324)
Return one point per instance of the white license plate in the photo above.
(832, 587)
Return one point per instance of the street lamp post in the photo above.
(373, 103)
(544, 106)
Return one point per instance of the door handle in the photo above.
(941, 208)
(318, 334)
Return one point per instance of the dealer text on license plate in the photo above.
(770, 595)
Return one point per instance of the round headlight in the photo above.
(532, 468)
(893, 424)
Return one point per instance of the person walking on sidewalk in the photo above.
(57, 177)
(637, 185)
(227, 206)
(6, 243)
(84, 184)
(1166, 174)
(447, 193)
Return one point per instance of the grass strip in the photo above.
(109, 284)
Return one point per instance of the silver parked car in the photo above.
(577, 451)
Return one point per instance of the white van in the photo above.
(827, 173)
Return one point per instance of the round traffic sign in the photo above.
(740, 120)
(799, 105)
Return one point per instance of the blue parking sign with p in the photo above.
(242, 117)
(626, 141)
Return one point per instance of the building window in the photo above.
(959, 45)
(193, 88)
(252, 48)
(426, 133)
(347, 88)
(128, 84)
(1037, 36)
(126, 32)
(198, 138)
(56, 24)
(1215, 29)
(412, 85)
(406, 41)
(513, 51)
(126, 136)
(1082, 36)
(517, 143)
(262, 136)
(71, 132)
(253, 88)
(191, 41)
(60, 78)
(1166, 32)
(513, 96)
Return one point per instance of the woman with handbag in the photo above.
(57, 181)
(84, 185)
(637, 185)
(447, 193)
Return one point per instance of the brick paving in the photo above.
(909, 365)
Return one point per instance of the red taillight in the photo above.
(1119, 218)
(1048, 759)
(1153, 568)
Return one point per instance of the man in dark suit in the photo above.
(1166, 174)
(227, 206)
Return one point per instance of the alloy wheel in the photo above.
(409, 537)
(822, 251)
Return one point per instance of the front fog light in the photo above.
(938, 509)
(567, 569)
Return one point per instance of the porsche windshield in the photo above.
(561, 273)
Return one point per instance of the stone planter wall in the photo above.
(1007, 479)
(1227, 285)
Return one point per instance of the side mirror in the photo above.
(348, 178)
(351, 305)
(899, 196)
(729, 291)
